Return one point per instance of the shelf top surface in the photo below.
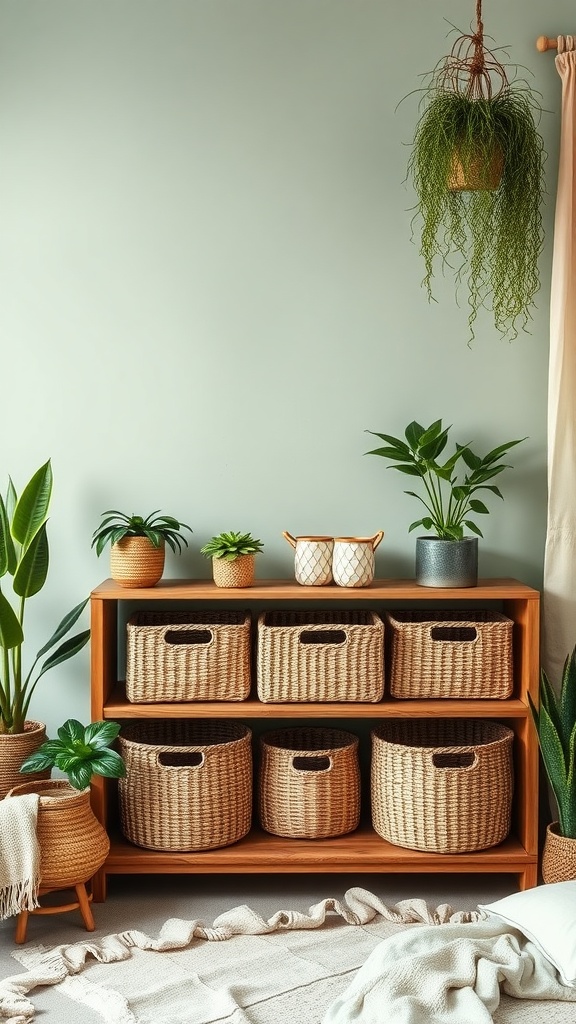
(280, 589)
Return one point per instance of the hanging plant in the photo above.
(476, 166)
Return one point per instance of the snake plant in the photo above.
(555, 722)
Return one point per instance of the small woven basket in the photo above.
(73, 843)
(320, 656)
(188, 784)
(309, 784)
(178, 656)
(449, 654)
(136, 562)
(559, 856)
(239, 572)
(443, 785)
(14, 749)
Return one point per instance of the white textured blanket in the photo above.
(19, 854)
(450, 975)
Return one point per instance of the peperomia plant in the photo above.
(80, 752)
(24, 557)
(449, 489)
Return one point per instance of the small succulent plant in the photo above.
(117, 525)
(80, 752)
(231, 545)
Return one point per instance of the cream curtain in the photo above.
(559, 596)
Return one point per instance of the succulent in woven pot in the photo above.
(24, 564)
(555, 721)
(476, 166)
(138, 545)
(233, 558)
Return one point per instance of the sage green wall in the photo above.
(208, 287)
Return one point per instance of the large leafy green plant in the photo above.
(555, 722)
(449, 489)
(80, 752)
(24, 562)
(158, 529)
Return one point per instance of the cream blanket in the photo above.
(450, 975)
(19, 854)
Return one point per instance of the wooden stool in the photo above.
(82, 904)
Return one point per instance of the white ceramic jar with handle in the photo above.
(353, 560)
(312, 559)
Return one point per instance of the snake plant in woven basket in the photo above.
(555, 722)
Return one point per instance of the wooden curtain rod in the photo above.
(543, 43)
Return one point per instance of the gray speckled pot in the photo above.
(446, 563)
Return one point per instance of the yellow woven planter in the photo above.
(237, 573)
(135, 562)
(559, 857)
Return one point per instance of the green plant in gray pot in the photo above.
(450, 488)
(555, 722)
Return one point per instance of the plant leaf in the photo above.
(64, 627)
(101, 734)
(11, 634)
(479, 506)
(109, 764)
(413, 434)
(472, 526)
(71, 730)
(66, 650)
(80, 775)
(7, 549)
(30, 576)
(31, 509)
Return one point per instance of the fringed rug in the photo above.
(243, 969)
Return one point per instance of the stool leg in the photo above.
(84, 906)
(21, 926)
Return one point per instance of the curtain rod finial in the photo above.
(543, 43)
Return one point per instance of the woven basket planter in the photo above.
(135, 562)
(442, 785)
(320, 656)
(236, 573)
(188, 784)
(559, 856)
(187, 656)
(14, 749)
(449, 654)
(73, 843)
(309, 785)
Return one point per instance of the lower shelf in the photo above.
(359, 851)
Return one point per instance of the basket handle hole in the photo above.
(455, 634)
(181, 759)
(322, 636)
(318, 763)
(188, 637)
(454, 759)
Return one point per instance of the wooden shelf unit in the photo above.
(361, 851)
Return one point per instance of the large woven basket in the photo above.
(309, 784)
(188, 784)
(449, 654)
(188, 656)
(443, 785)
(320, 656)
(73, 843)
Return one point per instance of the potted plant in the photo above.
(233, 557)
(24, 562)
(138, 545)
(73, 843)
(448, 558)
(555, 722)
(477, 169)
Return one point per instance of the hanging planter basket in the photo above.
(477, 169)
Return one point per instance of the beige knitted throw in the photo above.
(19, 854)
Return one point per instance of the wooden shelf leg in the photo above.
(84, 906)
(99, 886)
(528, 878)
(21, 926)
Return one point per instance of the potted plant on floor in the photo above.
(73, 843)
(477, 169)
(555, 722)
(138, 545)
(24, 562)
(448, 558)
(233, 558)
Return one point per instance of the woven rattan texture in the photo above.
(423, 665)
(135, 562)
(14, 749)
(239, 572)
(214, 664)
(442, 785)
(348, 667)
(306, 803)
(188, 784)
(73, 843)
(559, 856)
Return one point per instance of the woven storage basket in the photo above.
(442, 784)
(14, 749)
(188, 656)
(320, 656)
(188, 784)
(309, 784)
(449, 654)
